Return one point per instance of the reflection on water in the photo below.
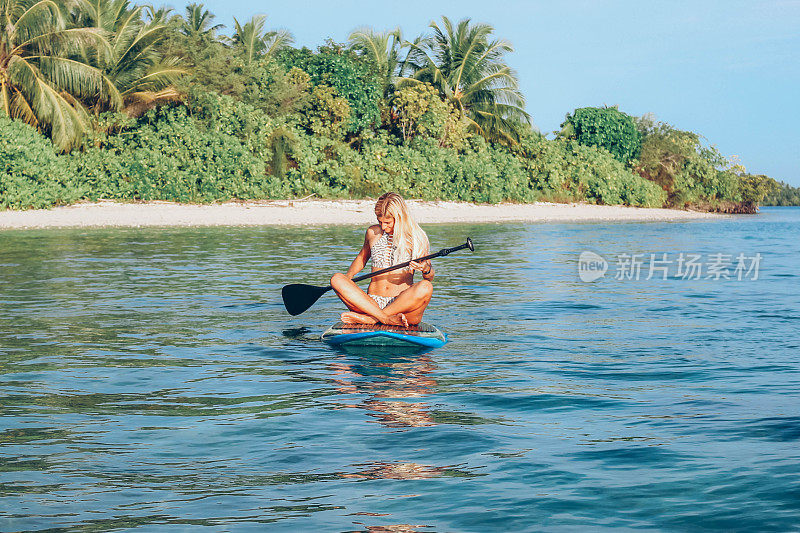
(394, 528)
(386, 382)
(150, 378)
(402, 470)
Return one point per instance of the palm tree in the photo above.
(162, 15)
(469, 71)
(197, 22)
(40, 81)
(255, 42)
(139, 75)
(384, 50)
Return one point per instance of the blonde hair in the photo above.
(409, 238)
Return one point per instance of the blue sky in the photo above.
(729, 70)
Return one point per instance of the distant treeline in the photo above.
(109, 99)
(783, 194)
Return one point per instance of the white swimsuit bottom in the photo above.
(382, 301)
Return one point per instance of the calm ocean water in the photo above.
(151, 380)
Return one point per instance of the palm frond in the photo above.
(62, 42)
(140, 102)
(197, 22)
(140, 48)
(159, 77)
(383, 49)
(162, 15)
(22, 110)
(50, 108)
(277, 41)
(37, 19)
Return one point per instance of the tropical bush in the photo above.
(604, 127)
(328, 113)
(276, 92)
(753, 189)
(483, 173)
(353, 78)
(565, 170)
(170, 155)
(691, 173)
(419, 110)
(32, 175)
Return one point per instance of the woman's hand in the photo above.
(422, 267)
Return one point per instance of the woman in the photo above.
(392, 298)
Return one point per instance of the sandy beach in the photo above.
(320, 212)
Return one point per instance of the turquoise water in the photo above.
(151, 380)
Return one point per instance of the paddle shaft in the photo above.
(440, 253)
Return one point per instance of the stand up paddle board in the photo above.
(422, 335)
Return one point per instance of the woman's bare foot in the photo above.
(397, 320)
(350, 317)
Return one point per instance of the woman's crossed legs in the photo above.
(407, 308)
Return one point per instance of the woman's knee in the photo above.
(424, 289)
(337, 280)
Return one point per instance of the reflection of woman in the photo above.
(414, 381)
(393, 297)
(398, 470)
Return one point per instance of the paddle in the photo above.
(298, 297)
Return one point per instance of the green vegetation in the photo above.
(696, 175)
(606, 128)
(468, 69)
(40, 83)
(112, 100)
(32, 174)
(782, 194)
(338, 73)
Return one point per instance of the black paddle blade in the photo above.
(298, 297)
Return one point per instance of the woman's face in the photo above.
(387, 224)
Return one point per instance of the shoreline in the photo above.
(324, 212)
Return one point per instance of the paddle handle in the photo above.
(440, 253)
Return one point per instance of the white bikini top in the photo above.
(383, 251)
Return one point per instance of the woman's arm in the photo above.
(361, 259)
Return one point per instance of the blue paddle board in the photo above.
(421, 335)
